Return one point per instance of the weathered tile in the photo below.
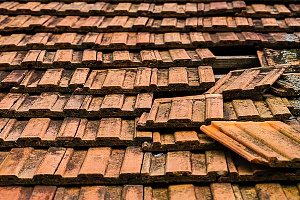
(246, 83)
(258, 142)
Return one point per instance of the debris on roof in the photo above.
(259, 142)
(246, 83)
(288, 85)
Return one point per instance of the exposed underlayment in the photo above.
(149, 100)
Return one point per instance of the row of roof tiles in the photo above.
(71, 132)
(82, 132)
(252, 82)
(62, 105)
(142, 40)
(161, 1)
(216, 191)
(130, 9)
(277, 10)
(165, 112)
(126, 80)
(194, 111)
(70, 59)
(105, 165)
(151, 9)
(124, 23)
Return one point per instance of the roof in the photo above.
(133, 100)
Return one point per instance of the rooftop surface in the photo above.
(149, 100)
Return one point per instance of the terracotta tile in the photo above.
(74, 102)
(6, 58)
(14, 78)
(118, 21)
(291, 192)
(157, 165)
(214, 107)
(92, 192)
(178, 75)
(43, 192)
(118, 91)
(44, 102)
(50, 161)
(9, 124)
(221, 191)
(171, 58)
(257, 141)
(31, 164)
(114, 79)
(184, 136)
(133, 192)
(269, 22)
(205, 54)
(278, 107)
(36, 128)
(206, 75)
(177, 192)
(144, 101)
(216, 162)
(63, 57)
(282, 9)
(178, 163)
(14, 161)
(270, 190)
(51, 77)
(31, 57)
(114, 101)
(204, 167)
(75, 162)
(79, 77)
(14, 192)
(8, 101)
(143, 77)
(115, 163)
(95, 156)
(128, 168)
(121, 57)
(110, 128)
(178, 55)
(245, 109)
(260, 8)
(122, 8)
(181, 110)
(68, 129)
(219, 22)
(62, 167)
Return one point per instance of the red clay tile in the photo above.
(258, 142)
(128, 167)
